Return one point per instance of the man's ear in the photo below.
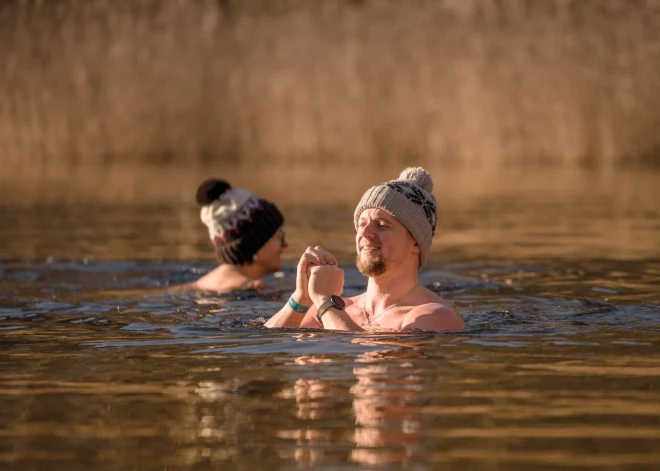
(416, 249)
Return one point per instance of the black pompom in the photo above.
(210, 190)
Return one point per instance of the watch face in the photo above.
(337, 301)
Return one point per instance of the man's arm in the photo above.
(310, 321)
(325, 281)
(337, 319)
(433, 317)
(287, 316)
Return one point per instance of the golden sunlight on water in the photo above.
(148, 211)
(538, 121)
(369, 401)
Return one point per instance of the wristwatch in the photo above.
(333, 301)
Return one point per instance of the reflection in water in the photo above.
(310, 404)
(490, 409)
(212, 396)
(385, 403)
(388, 413)
(106, 366)
(547, 236)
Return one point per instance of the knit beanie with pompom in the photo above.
(239, 222)
(409, 199)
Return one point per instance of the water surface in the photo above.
(105, 366)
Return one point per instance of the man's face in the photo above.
(382, 243)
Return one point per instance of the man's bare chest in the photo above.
(390, 320)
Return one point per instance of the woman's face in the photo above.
(270, 255)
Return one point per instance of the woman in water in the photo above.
(247, 234)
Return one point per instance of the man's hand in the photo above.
(324, 281)
(313, 256)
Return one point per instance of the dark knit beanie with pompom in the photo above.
(239, 222)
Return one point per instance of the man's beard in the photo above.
(372, 267)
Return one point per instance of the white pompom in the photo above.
(419, 175)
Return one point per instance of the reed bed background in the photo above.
(462, 83)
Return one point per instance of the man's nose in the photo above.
(367, 230)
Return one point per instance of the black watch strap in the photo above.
(332, 301)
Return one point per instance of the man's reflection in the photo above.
(386, 404)
(312, 403)
(388, 414)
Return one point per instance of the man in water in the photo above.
(395, 223)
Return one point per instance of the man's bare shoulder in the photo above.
(433, 316)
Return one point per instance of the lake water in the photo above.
(105, 367)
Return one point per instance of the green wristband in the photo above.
(297, 307)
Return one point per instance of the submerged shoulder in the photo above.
(433, 316)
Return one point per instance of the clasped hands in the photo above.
(318, 277)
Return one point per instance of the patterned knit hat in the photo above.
(410, 200)
(239, 222)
